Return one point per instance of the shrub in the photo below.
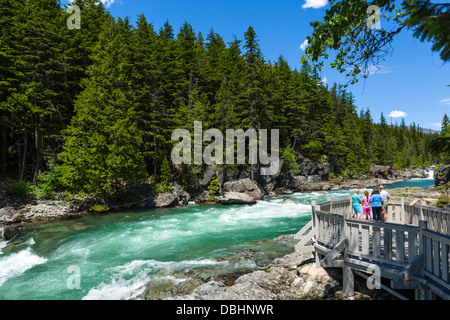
(98, 208)
(163, 188)
(214, 187)
(289, 158)
(443, 201)
(49, 182)
(20, 189)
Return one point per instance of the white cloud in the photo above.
(436, 125)
(304, 45)
(324, 80)
(316, 4)
(378, 69)
(445, 101)
(108, 3)
(398, 114)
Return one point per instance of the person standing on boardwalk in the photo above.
(366, 205)
(377, 204)
(386, 196)
(356, 201)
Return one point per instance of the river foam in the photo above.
(128, 281)
(17, 263)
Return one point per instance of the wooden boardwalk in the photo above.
(411, 249)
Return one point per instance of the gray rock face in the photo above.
(243, 191)
(388, 172)
(45, 211)
(293, 277)
(178, 197)
(246, 186)
(236, 198)
(442, 175)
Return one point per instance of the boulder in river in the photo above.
(236, 198)
(247, 186)
(177, 197)
(243, 191)
(8, 232)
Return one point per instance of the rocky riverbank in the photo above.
(235, 187)
(277, 273)
(429, 196)
(291, 277)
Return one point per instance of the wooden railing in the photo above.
(410, 250)
(399, 212)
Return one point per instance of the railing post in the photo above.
(313, 216)
(350, 211)
(331, 203)
(402, 210)
(315, 207)
(422, 217)
(422, 294)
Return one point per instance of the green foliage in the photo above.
(20, 189)
(443, 201)
(289, 159)
(189, 175)
(214, 186)
(359, 48)
(440, 144)
(49, 182)
(102, 102)
(166, 172)
(98, 208)
(102, 143)
(313, 150)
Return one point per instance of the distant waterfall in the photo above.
(430, 174)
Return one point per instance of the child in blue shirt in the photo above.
(356, 204)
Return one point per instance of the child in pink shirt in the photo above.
(366, 205)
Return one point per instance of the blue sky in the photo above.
(412, 84)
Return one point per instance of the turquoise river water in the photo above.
(116, 254)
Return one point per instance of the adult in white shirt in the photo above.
(386, 196)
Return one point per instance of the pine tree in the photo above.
(166, 172)
(102, 142)
(445, 122)
(254, 112)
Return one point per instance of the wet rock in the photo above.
(38, 212)
(178, 197)
(230, 198)
(442, 175)
(8, 232)
(285, 278)
(292, 277)
(159, 289)
(246, 186)
(203, 196)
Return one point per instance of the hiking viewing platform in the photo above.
(410, 249)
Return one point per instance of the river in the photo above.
(116, 254)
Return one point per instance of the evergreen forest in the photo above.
(87, 110)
